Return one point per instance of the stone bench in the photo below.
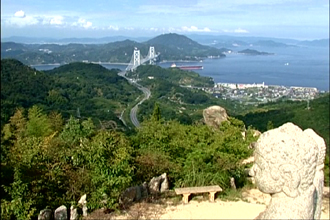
(201, 189)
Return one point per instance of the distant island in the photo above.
(169, 46)
(254, 52)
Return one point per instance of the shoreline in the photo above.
(60, 64)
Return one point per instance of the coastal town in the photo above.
(261, 93)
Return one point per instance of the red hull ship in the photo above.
(196, 67)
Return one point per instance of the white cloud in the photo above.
(88, 24)
(115, 28)
(57, 20)
(83, 23)
(20, 14)
(195, 29)
(238, 30)
(20, 19)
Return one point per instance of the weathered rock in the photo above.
(252, 145)
(248, 160)
(154, 184)
(83, 203)
(319, 175)
(214, 116)
(83, 200)
(73, 213)
(256, 133)
(232, 183)
(164, 183)
(45, 214)
(158, 184)
(144, 190)
(130, 195)
(285, 165)
(85, 209)
(61, 213)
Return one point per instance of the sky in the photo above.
(295, 19)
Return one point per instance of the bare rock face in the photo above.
(214, 116)
(287, 166)
(45, 214)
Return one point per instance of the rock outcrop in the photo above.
(214, 116)
(136, 193)
(158, 184)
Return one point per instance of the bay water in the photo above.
(289, 66)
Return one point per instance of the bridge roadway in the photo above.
(146, 93)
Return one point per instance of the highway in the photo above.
(146, 93)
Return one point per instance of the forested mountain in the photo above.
(21, 86)
(172, 45)
(120, 51)
(315, 43)
(79, 89)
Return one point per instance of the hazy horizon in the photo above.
(290, 19)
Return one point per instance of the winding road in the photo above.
(146, 93)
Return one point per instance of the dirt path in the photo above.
(254, 203)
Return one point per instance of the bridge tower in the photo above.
(137, 59)
(151, 55)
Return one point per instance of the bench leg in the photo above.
(185, 197)
(212, 196)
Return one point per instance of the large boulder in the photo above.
(61, 213)
(131, 194)
(158, 184)
(45, 214)
(214, 116)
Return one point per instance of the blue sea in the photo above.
(289, 66)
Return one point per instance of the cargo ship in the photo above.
(195, 67)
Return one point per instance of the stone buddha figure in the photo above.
(285, 166)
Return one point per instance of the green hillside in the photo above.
(21, 86)
(173, 89)
(316, 117)
(78, 89)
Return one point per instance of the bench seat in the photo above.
(200, 189)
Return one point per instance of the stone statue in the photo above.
(286, 160)
(319, 175)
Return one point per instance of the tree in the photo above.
(156, 115)
(270, 125)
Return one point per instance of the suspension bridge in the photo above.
(138, 60)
